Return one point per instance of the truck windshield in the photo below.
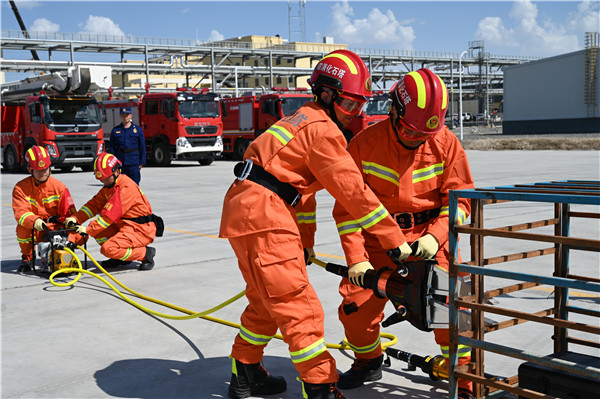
(71, 111)
(199, 109)
(291, 104)
(378, 105)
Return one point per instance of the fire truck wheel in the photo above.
(10, 160)
(239, 149)
(205, 161)
(66, 169)
(87, 167)
(160, 154)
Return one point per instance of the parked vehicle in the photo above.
(246, 117)
(181, 125)
(54, 111)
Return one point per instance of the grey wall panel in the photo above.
(551, 88)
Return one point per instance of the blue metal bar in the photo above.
(452, 293)
(533, 197)
(586, 371)
(556, 281)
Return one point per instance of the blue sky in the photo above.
(537, 28)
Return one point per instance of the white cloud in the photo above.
(376, 29)
(101, 26)
(215, 36)
(585, 19)
(530, 36)
(44, 25)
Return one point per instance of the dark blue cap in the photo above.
(125, 110)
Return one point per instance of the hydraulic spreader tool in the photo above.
(417, 289)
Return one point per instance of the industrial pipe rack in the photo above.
(562, 194)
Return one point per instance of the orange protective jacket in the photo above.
(30, 202)
(406, 181)
(306, 150)
(50, 198)
(124, 200)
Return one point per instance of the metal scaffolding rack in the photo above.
(561, 194)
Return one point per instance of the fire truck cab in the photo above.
(181, 125)
(248, 116)
(54, 111)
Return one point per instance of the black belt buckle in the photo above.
(404, 220)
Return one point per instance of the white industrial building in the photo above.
(553, 95)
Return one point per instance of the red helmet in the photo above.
(421, 100)
(344, 71)
(105, 165)
(37, 158)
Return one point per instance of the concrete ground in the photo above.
(84, 341)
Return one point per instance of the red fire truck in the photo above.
(54, 111)
(182, 125)
(246, 117)
(376, 110)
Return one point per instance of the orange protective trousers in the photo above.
(280, 297)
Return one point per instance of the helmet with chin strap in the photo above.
(420, 99)
(105, 165)
(37, 158)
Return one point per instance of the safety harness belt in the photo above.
(249, 170)
(407, 220)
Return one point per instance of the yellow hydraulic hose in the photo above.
(190, 314)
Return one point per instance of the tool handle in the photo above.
(337, 269)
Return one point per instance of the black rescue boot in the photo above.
(112, 263)
(26, 264)
(362, 370)
(252, 379)
(320, 391)
(148, 261)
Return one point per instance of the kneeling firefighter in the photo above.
(125, 225)
(269, 219)
(40, 203)
(411, 161)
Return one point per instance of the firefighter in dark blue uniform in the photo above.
(127, 143)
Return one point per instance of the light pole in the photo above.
(460, 113)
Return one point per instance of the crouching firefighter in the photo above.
(125, 225)
(411, 161)
(269, 219)
(40, 203)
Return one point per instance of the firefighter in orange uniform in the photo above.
(124, 226)
(36, 199)
(411, 161)
(269, 218)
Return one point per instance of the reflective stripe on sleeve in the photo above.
(363, 223)
(87, 211)
(306, 217)
(371, 168)
(309, 352)
(280, 133)
(102, 222)
(254, 339)
(24, 240)
(428, 172)
(24, 216)
(101, 240)
(461, 215)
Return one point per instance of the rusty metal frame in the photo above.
(561, 194)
